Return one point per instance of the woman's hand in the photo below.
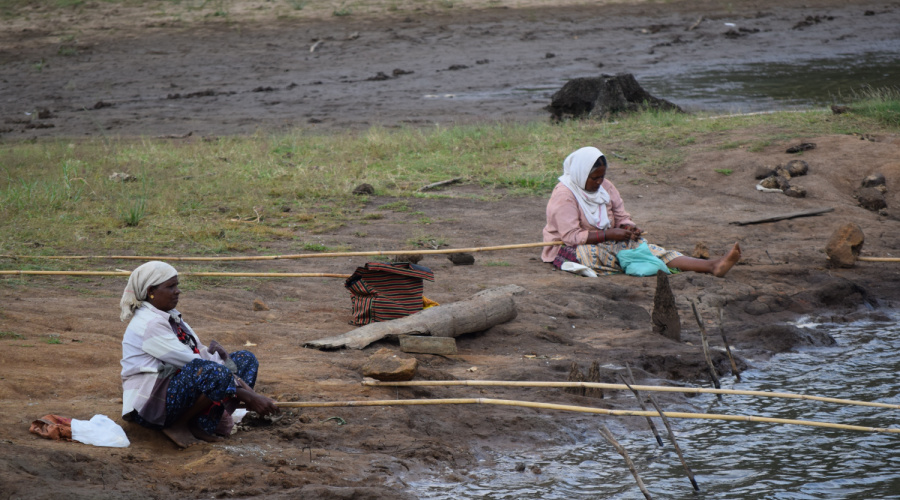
(217, 348)
(255, 402)
(621, 234)
(634, 229)
(262, 405)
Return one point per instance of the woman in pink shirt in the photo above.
(588, 215)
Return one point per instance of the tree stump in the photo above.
(603, 97)
(666, 321)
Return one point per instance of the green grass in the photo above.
(4, 334)
(724, 171)
(56, 196)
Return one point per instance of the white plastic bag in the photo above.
(574, 267)
(99, 431)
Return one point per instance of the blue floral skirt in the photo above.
(211, 380)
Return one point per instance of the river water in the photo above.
(737, 460)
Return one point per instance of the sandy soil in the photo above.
(561, 318)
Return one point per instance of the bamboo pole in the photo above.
(705, 342)
(188, 273)
(734, 368)
(580, 409)
(879, 259)
(602, 385)
(377, 253)
(604, 431)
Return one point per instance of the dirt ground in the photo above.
(133, 66)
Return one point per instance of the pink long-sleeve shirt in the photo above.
(566, 222)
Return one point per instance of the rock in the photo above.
(871, 199)
(797, 168)
(844, 245)
(795, 192)
(782, 338)
(764, 171)
(411, 258)
(839, 109)
(665, 319)
(259, 305)
(756, 308)
(782, 172)
(840, 291)
(121, 177)
(388, 366)
(804, 146)
(602, 97)
(701, 251)
(461, 259)
(775, 182)
(874, 180)
(364, 189)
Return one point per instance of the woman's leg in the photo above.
(718, 267)
(193, 401)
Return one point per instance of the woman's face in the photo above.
(164, 296)
(595, 178)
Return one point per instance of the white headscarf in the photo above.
(576, 169)
(146, 275)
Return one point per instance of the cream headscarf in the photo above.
(146, 275)
(576, 169)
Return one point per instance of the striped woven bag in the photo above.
(381, 291)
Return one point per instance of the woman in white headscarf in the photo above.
(170, 380)
(587, 214)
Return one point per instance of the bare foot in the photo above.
(726, 262)
(201, 434)
(181, 435)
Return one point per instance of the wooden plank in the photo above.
(775, 218)
(428, 345)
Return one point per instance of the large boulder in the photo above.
(603, 97)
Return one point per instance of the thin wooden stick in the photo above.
(637, 395)
(705, 342)
(687, 468)
(602, 385)
(440, 183)
(580, 409)
(734, 368)
(604, 431)
(188, 273)
(290, 257)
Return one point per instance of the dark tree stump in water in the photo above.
(666, 321)
(604, 96)
(593, 376)
(575, 375)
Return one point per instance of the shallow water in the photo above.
(763, 86)
(738, 460)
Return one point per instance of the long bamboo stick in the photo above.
(602, 385)
(188, 273)
(376, 253)
(879, 259)
(581, 409)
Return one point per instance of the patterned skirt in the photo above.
(602, 256)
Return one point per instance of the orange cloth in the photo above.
(53, 427)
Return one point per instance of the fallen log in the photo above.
(479, 312)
